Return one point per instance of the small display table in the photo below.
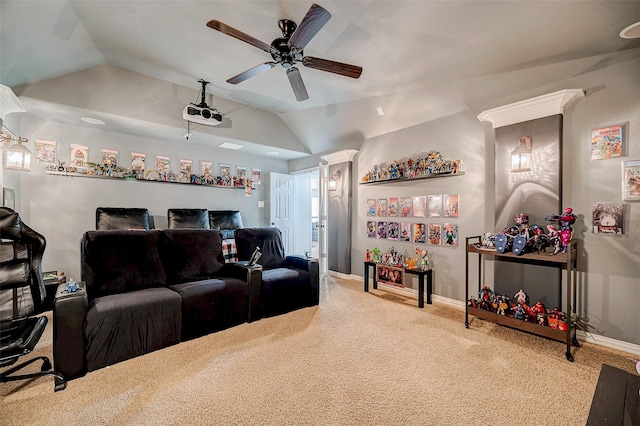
(421, 273)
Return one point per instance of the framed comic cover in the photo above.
(406, 204)
(608, 218)
(391, 275)
(419, 234)
(381, 207)
(434, 203)
(631, 180)
(392, 206)
(451, 205)
(405, 231)
(608, 142)
(371, 206)
(393, 228)
(78, 155)
(241, 174)
(163, 164)
(419, 205)
(371, 229)
(185, 168)
(45, 151)
(138, 160)
(256, 176)
(450, 234)
(206, 168)
(435, 233)
(382, 230)
(109, 157)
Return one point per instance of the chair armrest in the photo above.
(310, 265)
(252, 275)
(300, 262)
(69, 314)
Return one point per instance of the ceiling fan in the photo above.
(287, 50)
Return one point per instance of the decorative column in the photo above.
(339, 205)
(528, 179)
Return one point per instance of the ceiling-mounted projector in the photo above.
(201, 113)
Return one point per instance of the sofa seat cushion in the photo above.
(284, 290)
(212, 305)
(123, 326)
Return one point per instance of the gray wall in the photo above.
(339, 220)
(609, 266)
(457, 137)
(63, 208)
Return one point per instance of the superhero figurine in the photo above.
(566, 220)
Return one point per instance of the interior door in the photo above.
(281, 209)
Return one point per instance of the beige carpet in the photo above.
(357, 359)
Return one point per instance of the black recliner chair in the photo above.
(188, 218)
(288, 282)
(22, 293)
(109, 218)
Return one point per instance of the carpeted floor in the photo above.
(357, 359)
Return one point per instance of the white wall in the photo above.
(63, 208)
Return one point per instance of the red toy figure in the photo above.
(566, 220)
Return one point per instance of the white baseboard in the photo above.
(458, 304)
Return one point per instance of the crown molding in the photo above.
(9, 102)
(340, 156)
(531, 109)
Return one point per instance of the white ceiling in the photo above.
(421, 59)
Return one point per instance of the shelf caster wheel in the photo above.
(569, 357)
(575, 342)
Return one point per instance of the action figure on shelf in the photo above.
(521, 297)
(367, 256)
(566, 220)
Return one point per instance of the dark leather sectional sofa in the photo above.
(144, 291)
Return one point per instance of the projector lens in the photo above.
(206, 113)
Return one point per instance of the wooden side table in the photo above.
(421, 273)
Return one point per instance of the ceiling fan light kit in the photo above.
(288, 50)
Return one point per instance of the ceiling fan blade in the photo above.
(340, 68)
(312, 22)
(226, 29)
(297, 84)
(251, 72)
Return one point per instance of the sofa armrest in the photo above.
(253, 277)
(69, 314)
(310, 265)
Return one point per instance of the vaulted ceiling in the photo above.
(136, 63)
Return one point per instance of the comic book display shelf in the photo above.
(133, 179)
(567, 261)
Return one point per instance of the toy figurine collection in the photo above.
(392, 257)
(430, 164)
(527, 238)
(501, 304)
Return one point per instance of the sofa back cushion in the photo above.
(108, 218)
(188, 218)
(268, 239)
(191, 254)
(226, 221)
(120, 261)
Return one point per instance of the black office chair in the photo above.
(22, 291)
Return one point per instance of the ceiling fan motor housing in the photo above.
(285, 56)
